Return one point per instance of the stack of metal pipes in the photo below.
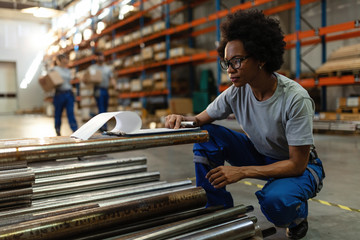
(100, 197)
(15, 186)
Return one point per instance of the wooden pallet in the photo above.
(340, 67)
(344, 61)
(348, 110)
(352, 51)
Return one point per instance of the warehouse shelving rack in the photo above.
(294, 40)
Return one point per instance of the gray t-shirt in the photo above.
(106, 72)
(285, 119)
(65, 73)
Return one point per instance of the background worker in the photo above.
(101, 91)
(64, 97)
(275, 112)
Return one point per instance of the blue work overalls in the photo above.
(283, 201)
(102, 101)
(64, 99)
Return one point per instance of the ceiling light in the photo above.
(41, 12)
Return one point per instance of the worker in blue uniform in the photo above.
(101, 90)
(276, 115)
(64, 97)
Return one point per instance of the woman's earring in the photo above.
(260, 67)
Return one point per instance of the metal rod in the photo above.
(235, 230)
(91, 197)
(88, 185)
(17, 165)
(116, 231)
(89, 175)
(165, 232)
(66, 147)
(16, 178)
(70, 224)
(15, 194)
(57, 168)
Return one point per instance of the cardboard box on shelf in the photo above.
(350, 116)
(50, 80)
(328, 116)
(181, 51)
(92, 76)
(160, 56)
(160, 85)
(135, 85)
(147, 84)
(161, 46)
(159, 26)
(181, 105)
(159, 76)
(147, 53)
(353, 102)
(145, 31)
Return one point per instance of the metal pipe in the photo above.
(69, 167)
(30, 217)
(89, 175)
(70, 224)
(12, 179)
(167, 231)
(17, 165)
(120, 193)
(15, 194)
(66, 147)
(116, 231)
(15, 203)
(235, 230)
(88, 185)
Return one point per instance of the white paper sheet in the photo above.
(126, 122)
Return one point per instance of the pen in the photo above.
(188, 124)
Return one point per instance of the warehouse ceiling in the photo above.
(22, 4)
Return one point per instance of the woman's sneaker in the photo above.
(298, 231)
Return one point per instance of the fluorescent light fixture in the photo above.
(62, 43)
(100, 27)
(30, 73)
(87, 34)
(124, 10)
(94, 7)
(77, 38)
(41, 12)
(104, 13)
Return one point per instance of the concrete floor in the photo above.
(327, 220)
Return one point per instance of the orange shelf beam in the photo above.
(205, 56)
(143, 94)
(323, 81)
(82, 61)
(342, 80)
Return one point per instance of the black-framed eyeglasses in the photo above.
(235, 62)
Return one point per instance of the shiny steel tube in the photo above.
(70, 224)
(157, 221)
(89, 175)
(93, 184)
(51, 204)
(78, 166)
(234, 230)
(189, 225)
(15, 165)
(66, 147)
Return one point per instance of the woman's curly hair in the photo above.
(262, 37)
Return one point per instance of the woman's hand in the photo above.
(174, 121)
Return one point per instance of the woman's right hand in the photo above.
(173, 121)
